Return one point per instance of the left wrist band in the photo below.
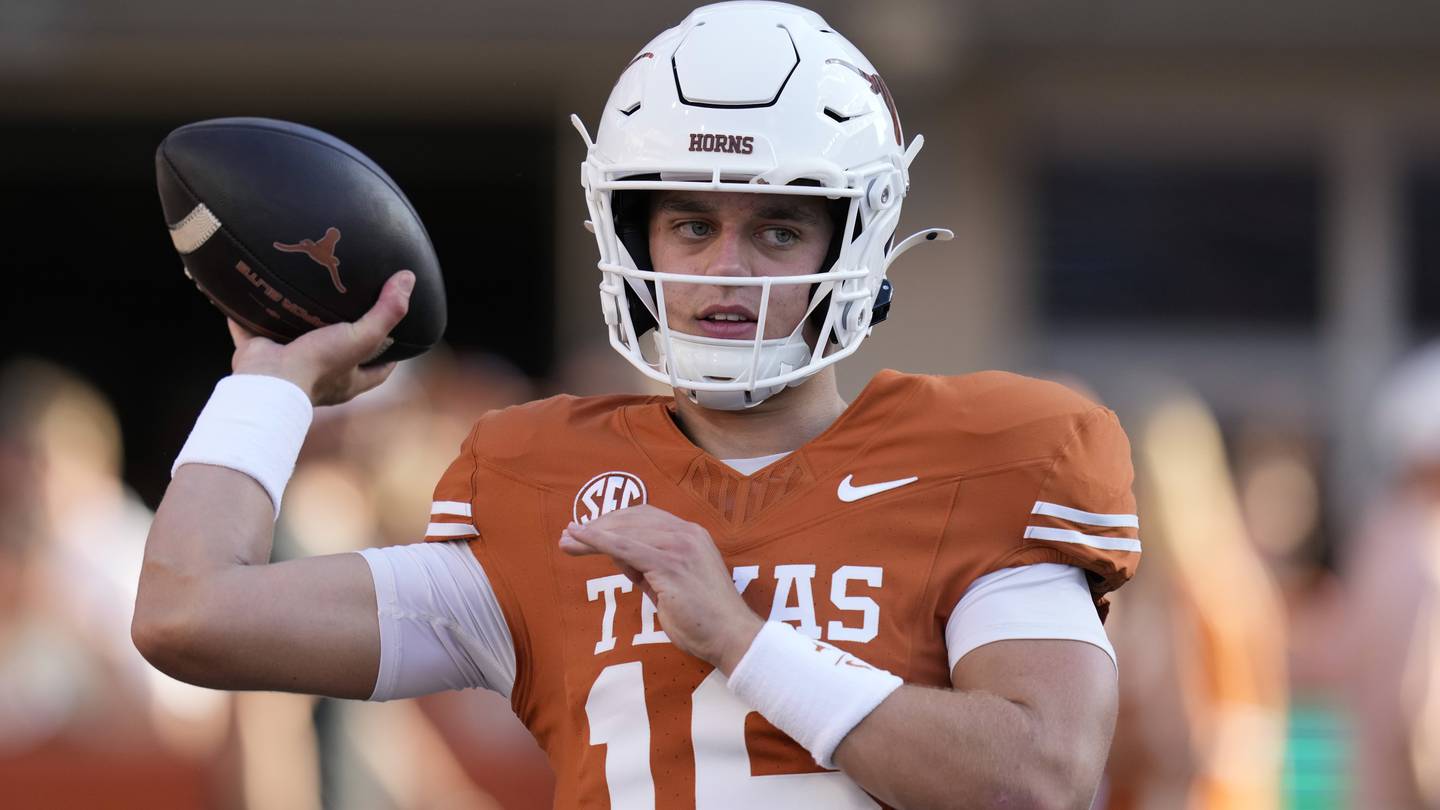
(812, 691)
(254, 424)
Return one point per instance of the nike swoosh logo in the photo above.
(850, 493)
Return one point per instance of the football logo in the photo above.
(322, 253)
(850, 493)
(607, 492)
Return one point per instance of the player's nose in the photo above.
(728, 255)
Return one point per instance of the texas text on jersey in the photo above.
(866, 538)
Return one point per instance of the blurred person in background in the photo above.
(1277, 472)
(83, 718)
(77, 701)
(1392, 587)
(1201, 631)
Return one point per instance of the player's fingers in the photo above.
(392, 305)
(607, 542)
(638, 578)
(368, 378)
(238, 333)
(592, 535)
(574, 547)
(634, 519)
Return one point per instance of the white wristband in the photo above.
(254, 424)
(808, 689)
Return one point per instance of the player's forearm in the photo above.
(211, 521)
(944, 748)
(212, 517)
(213, 611)
(219, 511)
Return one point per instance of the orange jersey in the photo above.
(866, 537)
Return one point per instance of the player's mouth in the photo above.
(729, 322)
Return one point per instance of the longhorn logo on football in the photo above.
(322, 253)
(607, 492)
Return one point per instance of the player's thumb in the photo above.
(389, 309)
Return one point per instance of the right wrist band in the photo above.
(254, 424)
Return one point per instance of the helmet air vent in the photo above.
(709, 72)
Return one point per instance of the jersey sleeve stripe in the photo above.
(459, 508)
(1070, 536)
(450, 530)
(1081, 516)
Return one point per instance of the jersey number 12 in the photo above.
(616, 711)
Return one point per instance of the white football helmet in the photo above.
(748, 97)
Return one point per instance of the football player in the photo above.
(750, 593)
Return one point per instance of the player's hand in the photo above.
(325, 362)
(677, 564)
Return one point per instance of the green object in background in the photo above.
(1317, 756)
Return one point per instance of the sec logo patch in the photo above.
(607, 492)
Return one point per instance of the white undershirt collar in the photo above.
(749, 466)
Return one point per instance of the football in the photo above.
(286, 229)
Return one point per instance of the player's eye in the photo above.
(781, 237)
(695, 229)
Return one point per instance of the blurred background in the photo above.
(1221, 218)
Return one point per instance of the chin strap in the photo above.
(737, 400)
(692, 360)
(724, 400)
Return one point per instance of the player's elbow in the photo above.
(165, 628)
(1065, 770)
(1042, 786)
(1033, 786)
(160, 638)
(1046, 768)
(1058, 792)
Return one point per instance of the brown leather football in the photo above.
(286, 229)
